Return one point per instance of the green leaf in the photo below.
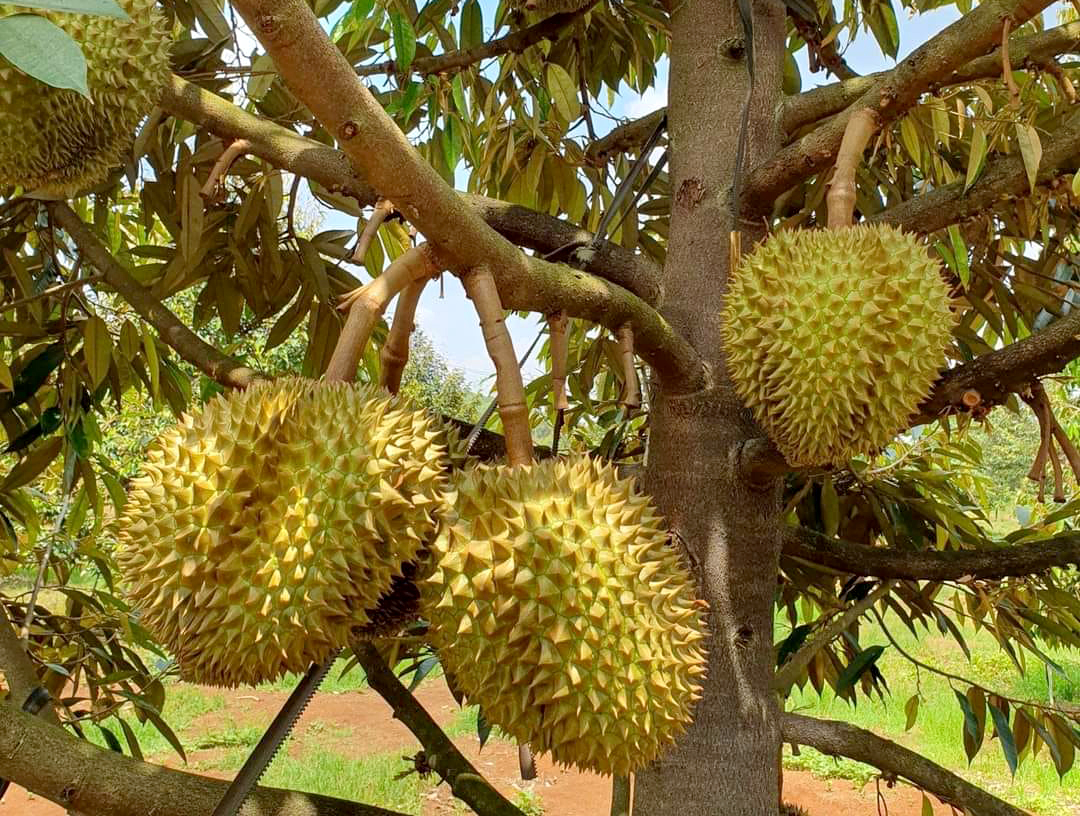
(960, 255)
(972, 738)
(132, 740)
(857, 668)
(927, 808)
(911, 711)
(110, 739)
(404, 40)
(1005, 736)
(1031, 151)
(99, 8)
(830, 508)
(97, 349)
(563, 93)
(882, 22)
(472, 25)
(41, 49)
(976, 156)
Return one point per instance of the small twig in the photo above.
(54, 290)
(380, 213)
(841, 197)
(290, 213)
(631, 396)
(367, 304)
(787, 674)
(1040, 404)
(1058, 73)
(215, 180)
(479, 285)
(1059, 480)
(395, 351)
(557, 324)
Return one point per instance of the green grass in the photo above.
(937, 732)
(183, 705)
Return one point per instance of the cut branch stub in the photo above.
(631, 396)
(395, 351)
(510, 389)
(380, 213)
(367, 304)
(557, 325)
(216, 180)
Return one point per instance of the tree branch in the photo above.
(841, 739)
(1003, 178)
(513, 43)
(629, 136)
(74, 773)
(932, 565)
(330, 168)
(218, 366)
(320, 76)
(889, 97)
(441, 754)
(1035, 49)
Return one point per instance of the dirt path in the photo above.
(368, 727)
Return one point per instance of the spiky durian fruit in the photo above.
(60, 142)
(265, 529)
(833, 337)
(558, 604)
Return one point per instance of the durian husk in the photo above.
(559, 605)
(266, 528)
(833, 337)
(59, 142)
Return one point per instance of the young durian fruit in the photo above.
(266, 528)
(57, 141)
(833, 337)
(558, 604)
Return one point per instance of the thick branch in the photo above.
(1003, 178)
(285, 149)
(320, 76)
(15, 664)
(841, 739)
(1035, 49)
(933, 565)
(394, 355)
(513, 43)
(931, 64)
(74, 773)
(442, 755)
(215, 364)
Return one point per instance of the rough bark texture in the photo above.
(728, 761)
(74, 773)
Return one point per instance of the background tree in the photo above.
(117, 297)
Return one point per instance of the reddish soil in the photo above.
(563, 792)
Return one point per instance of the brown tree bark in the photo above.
(728, 761)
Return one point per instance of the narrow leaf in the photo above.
(976, 156)
(911, 711)
(97, 349)
(1005, 736)
(862, 662)
(41, 49)
(1030, 150)
(404, 40)
(563, 93)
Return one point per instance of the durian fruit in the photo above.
(558, 604)
(788, 809)
(264, 529)
(833, 337)
(397, 607)
(58, 141)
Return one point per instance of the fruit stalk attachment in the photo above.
(395, 351)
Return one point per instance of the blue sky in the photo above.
(450, 322)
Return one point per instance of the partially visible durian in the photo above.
(266, 528)
(60, 142)
(559, 605)
(549, 7)
(833, 337)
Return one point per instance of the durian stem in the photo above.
(510, 389)
(215, 180)
(620, 796)
(379, 214)
(395, 351)
(557, 324)
(841, 198)
(631, 399)
(445, 759)
(1052, 67)
(1006, 65)
(367, 304)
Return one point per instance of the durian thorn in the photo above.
(367, 304)
(395, 351)
(216, 180)
(557, 324)
(631, 399)
(382, 210)
(841, 198)
(479, 285)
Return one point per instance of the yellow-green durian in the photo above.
(264, 529)
(559, 605)
(833, 337)
(58, 141)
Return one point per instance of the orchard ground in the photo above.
(348, 745)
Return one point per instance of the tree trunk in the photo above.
(727, 762)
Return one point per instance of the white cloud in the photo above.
(653, 98)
